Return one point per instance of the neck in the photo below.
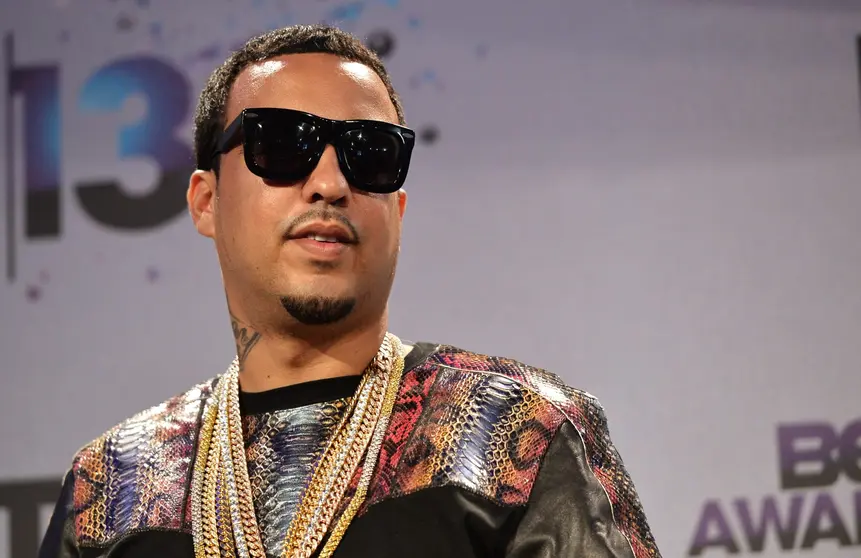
(272, 360)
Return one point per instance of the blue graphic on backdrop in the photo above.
(168, 95)
(168, 99)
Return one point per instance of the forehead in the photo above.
(322, 84)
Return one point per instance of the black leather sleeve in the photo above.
(59, 540)
(569, 513)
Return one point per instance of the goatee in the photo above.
(318, 310)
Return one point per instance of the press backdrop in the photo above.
(658, 200)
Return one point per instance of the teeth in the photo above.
(320, 238)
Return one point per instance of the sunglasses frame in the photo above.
(332, 131)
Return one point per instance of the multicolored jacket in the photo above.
(483, 456)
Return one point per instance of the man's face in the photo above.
(255, 222)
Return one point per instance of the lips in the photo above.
(323, 240)
(324, 232)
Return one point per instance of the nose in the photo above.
(327, 183)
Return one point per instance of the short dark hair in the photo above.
(209, 119)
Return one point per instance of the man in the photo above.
(328, 435)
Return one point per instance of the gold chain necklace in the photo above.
(222, 506)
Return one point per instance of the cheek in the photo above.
(386, 230)
(247, 198)
(243, 209)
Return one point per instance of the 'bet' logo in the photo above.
(817, 454)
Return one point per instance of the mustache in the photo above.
(323, 215)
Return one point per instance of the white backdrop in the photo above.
(658, 200)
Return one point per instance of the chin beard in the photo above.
(317, 310)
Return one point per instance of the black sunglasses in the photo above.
(284, 145)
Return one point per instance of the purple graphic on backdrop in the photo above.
(814, 455)
(152, 274)
(829, 451)
(33, 292)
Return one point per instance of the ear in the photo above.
(402, 202)
(201, 201)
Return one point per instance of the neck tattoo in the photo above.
(246, 338)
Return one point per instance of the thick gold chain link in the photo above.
(371, 458)
(222, 506)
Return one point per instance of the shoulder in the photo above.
(483, 423)
(134, 475)
(549, 396)
(459, 371)
(173, 414)
(548, 386)
(583, 449)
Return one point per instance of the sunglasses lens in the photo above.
(375, 159)
(284, 149)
